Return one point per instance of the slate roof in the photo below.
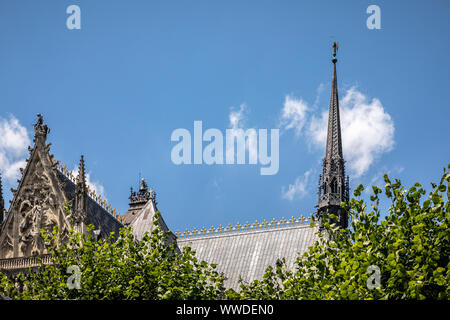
(248, 253)
(141, 220)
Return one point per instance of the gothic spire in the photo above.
(334, 140)
(2, 202)
(81, 181)
(333, 186)
(80, 205)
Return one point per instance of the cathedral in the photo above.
(244, 251)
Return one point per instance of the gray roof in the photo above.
(141, 220)
(248, 253)
(97, 215)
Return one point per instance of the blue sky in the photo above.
(117, 88)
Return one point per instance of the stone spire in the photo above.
(81, 180)
(333, 186)
(2, 202)
(80, 207)
(334, 140)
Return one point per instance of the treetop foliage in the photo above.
(403, 256)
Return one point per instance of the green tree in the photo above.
(410, 248)
(118, 268)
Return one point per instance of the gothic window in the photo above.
(333, 166)
(334, 187)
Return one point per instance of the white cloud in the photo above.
(237, 117)
(318, 94)
(14, 141)
(367, 130)
(293, 114)
(94, 185)
(298, 189)
(317, 129)
(237, 128)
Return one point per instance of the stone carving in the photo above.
(39, 203)
(7, 248)
(143, 195)
(40, 128)
(38, 211)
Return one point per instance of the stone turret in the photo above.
(140, 198)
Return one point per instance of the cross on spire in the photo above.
(335, 47)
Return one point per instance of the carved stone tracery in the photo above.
(7, 246)
(38, 210)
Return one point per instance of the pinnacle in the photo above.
(81, 179)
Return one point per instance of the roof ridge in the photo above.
(246, 227)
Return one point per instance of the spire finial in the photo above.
(143, 186)
(40, 128)
(132, 194)
(335, 48)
